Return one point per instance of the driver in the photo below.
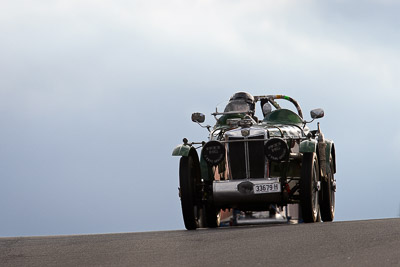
(241, 102)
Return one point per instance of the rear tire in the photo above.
(309, 187)
(189, 180)
(327, 195)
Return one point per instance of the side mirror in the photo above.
(198, 117)
(317, 113)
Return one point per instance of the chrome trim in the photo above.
(265, 139)
(296, 155)
(246, 157)
(227, 193)
(261, 221)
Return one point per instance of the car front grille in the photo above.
(252, 152)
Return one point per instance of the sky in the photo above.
(94, 96)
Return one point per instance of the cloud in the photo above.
(77, 54)
(93, 89)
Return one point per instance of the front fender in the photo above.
(181, 150)
(308, 146)
(330, 150)
(184, 151)
(328, 154)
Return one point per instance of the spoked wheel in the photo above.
(309, 187)
(189, 180)
(327, 195)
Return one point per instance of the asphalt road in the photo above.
(354, 243)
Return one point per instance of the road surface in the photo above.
(353, 243)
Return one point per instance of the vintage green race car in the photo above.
(250, 164)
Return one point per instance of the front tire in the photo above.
(189, 180)
(309, 187)
(212, 217)
(327, 196)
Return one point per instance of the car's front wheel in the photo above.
(309, 188)
(327, 196)
(189, 181)
(212, 217)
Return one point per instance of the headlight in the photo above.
(213, 152)
(276, 149)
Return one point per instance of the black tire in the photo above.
(327, 195)
(212, 217)
(189, 178)
(309, 185)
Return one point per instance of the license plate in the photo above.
(267, 188)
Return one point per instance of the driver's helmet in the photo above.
(241, 102)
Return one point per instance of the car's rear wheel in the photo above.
(309, 187)
(327, 195)
(189, 182)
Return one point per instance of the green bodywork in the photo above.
(206, 170)
(283, 116)
(181, 150)
(289, 169)
(308, 146)
(330, 150)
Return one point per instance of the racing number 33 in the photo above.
(266, 188)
